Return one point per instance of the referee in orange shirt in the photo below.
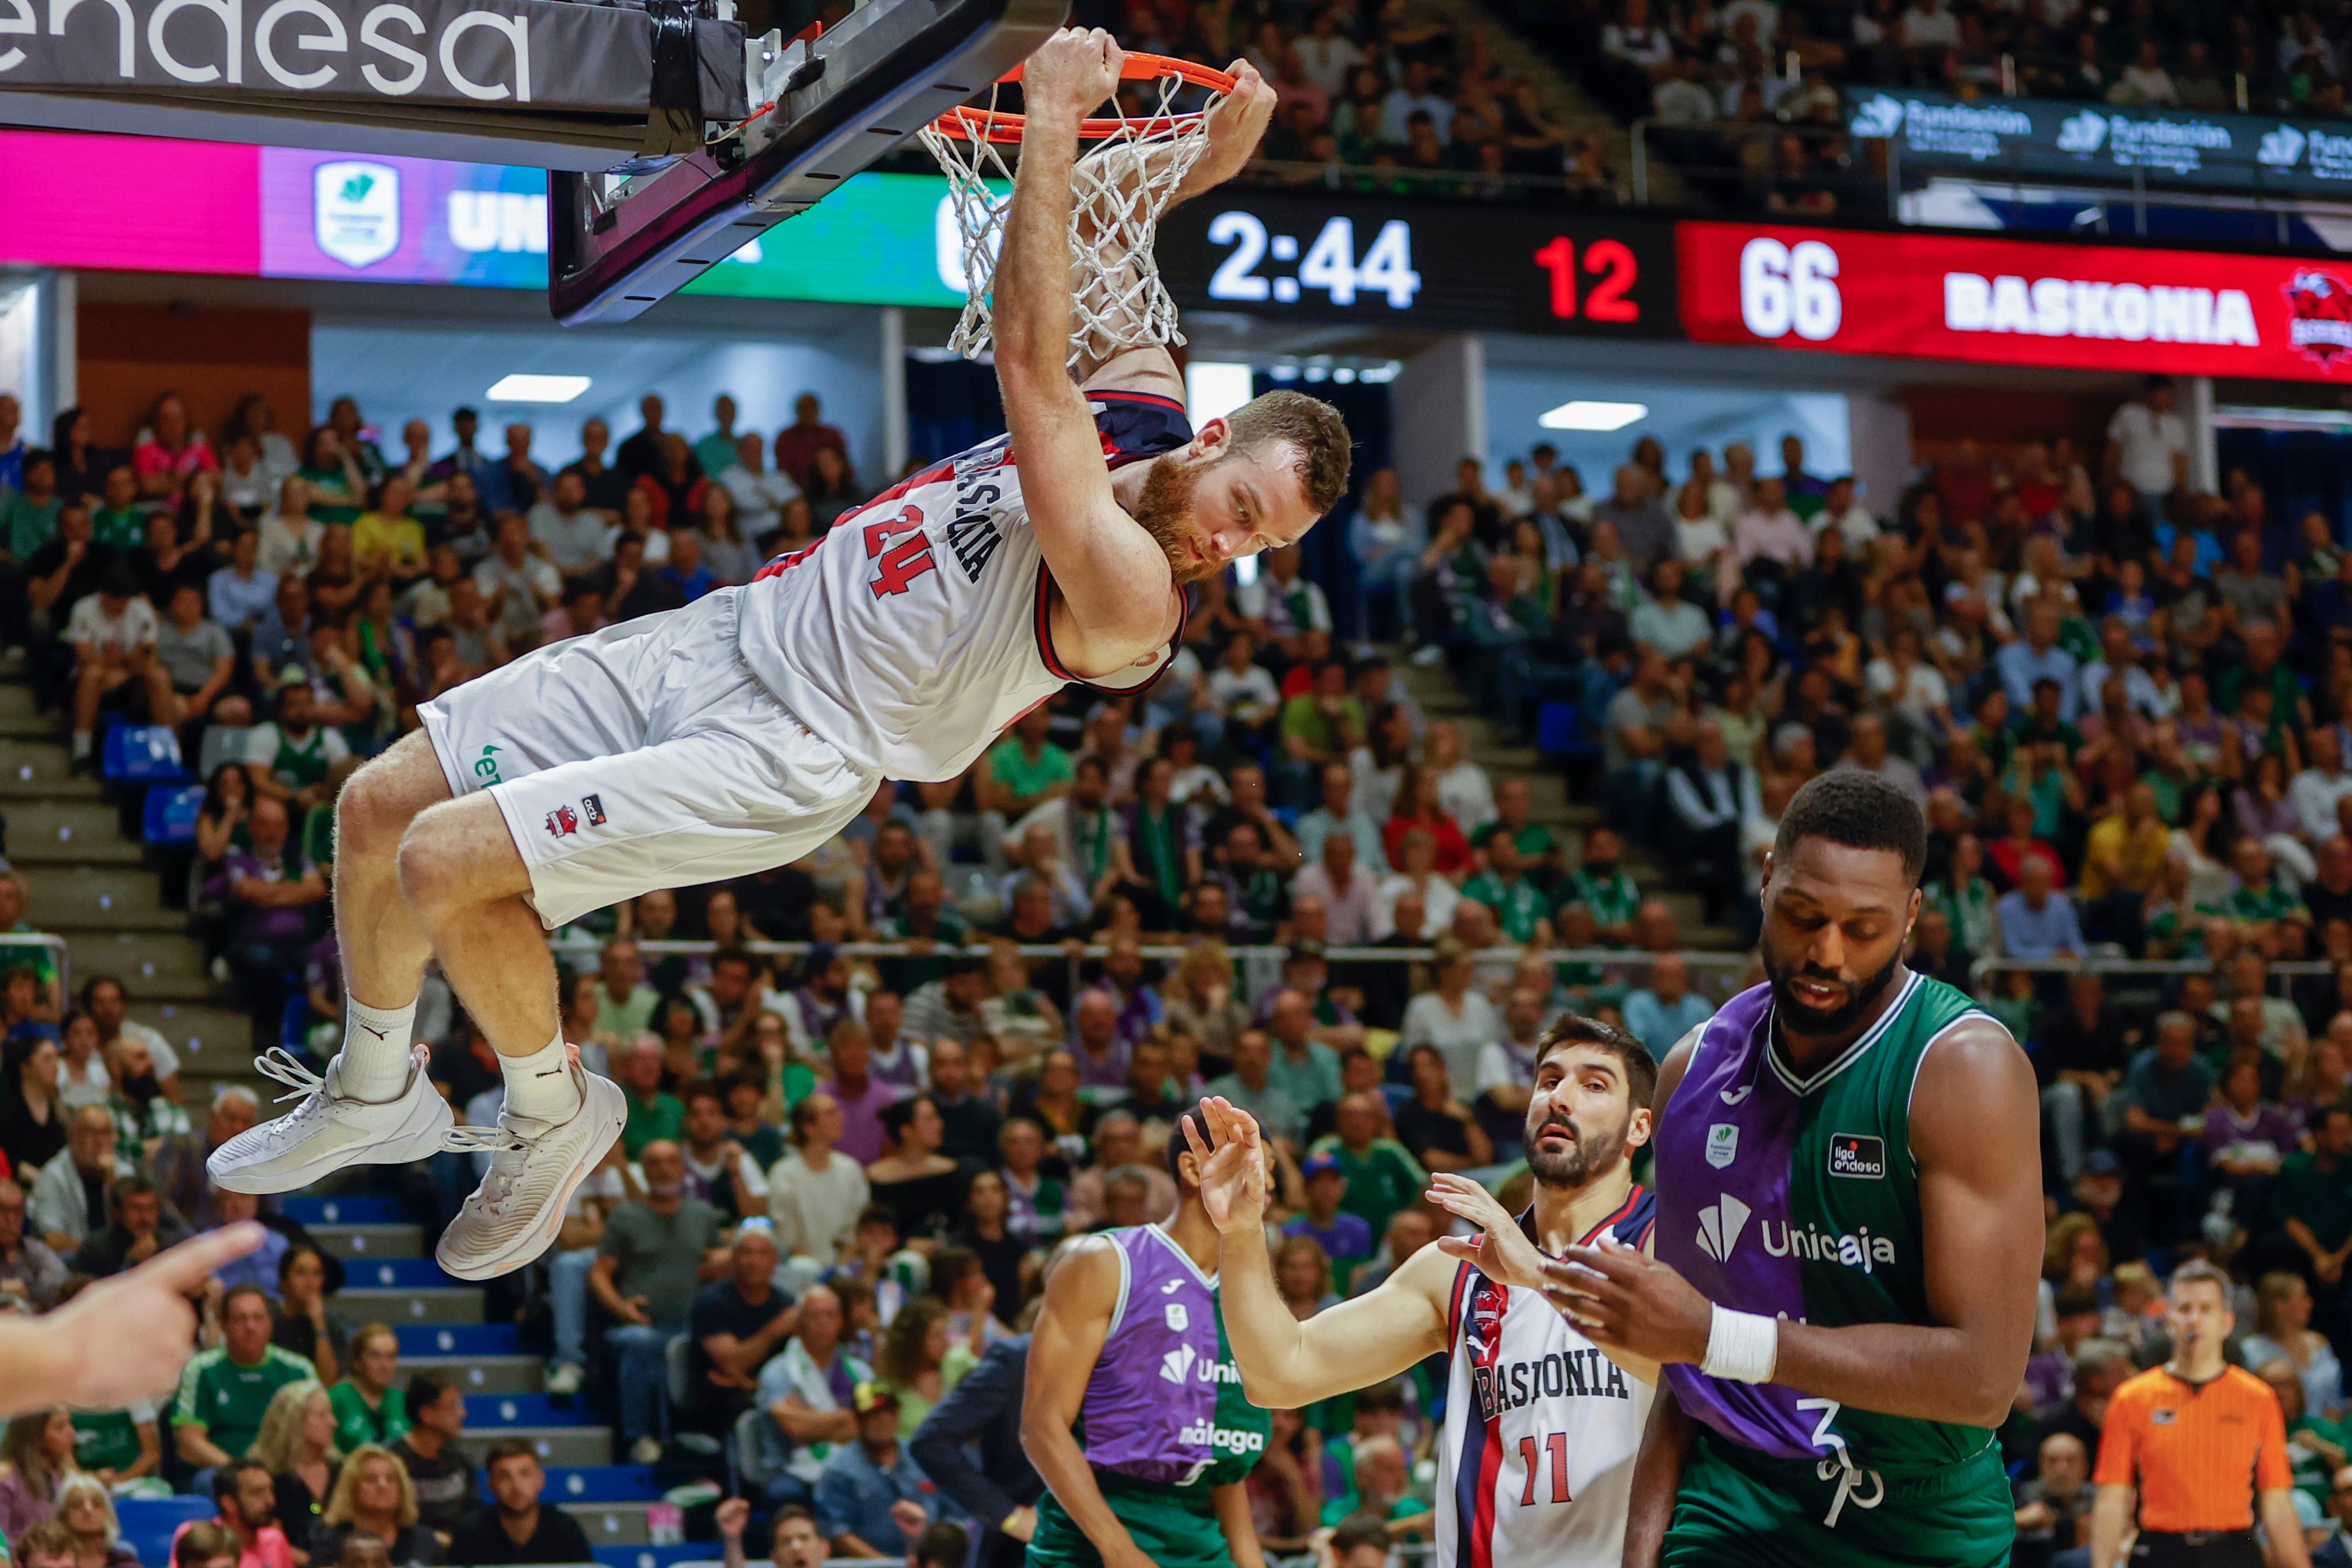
(2201, 1442)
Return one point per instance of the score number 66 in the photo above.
(1790, 288)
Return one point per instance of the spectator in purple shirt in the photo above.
(2245, 1139)
(859, 1092)
(270, 890)
(1094, 1042)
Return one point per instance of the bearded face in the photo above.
(1568, 1149)
(1165, 510)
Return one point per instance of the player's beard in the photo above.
(1816, 1022)
(1165, 510)
(1589, 1153)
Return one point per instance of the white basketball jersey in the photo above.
(915, 630)
(1536, 1462)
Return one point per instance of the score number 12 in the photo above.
(1611, 261)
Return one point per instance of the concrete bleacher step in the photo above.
(369, 1304)
(578, 1446)
(215, 1039)
(53, 831)
(613, 1523)
(41, 769)
(19, 719)
(153, 967)
(485, 1374)
(364, 1242)
(75, 898)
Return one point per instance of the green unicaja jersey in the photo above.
(1800, 1197)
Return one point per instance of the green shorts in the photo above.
(1739, 1509)
(1175, 1529)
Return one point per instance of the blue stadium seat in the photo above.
(485, 1410)
(147, 1523)
(346, 1211)
(294, 1027)
(596, 1483)
(656, 1556)
(170, 815)
(1559, 732)
(396, 1274)
(143, 754)
(457, 1339)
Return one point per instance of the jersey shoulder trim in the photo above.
(1632, 1223)
(1109, 684)
(1911, 1094)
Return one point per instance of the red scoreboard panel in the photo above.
(2008, 301)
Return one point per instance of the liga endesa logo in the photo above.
(2321, 320)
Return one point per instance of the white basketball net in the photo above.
(1120, 187)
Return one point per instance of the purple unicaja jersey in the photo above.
(1165, 1402)
(1798, 1197)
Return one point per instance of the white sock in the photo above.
(81, 739)
(540, 1086)
(376, 1049)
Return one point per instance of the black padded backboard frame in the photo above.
(839, 104)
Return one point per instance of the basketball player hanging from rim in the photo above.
(744, 730)
(1535, 1460)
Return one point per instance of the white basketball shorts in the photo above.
(642, 756)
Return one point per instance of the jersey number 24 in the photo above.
(897, 565)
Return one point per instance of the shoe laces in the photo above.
(279, 1064)
(508, 1151)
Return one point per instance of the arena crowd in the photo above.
(2119, 702)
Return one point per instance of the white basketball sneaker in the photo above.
(515, 1214)
(330, 1130)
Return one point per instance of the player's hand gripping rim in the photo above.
(1071, 73)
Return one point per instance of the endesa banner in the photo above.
(2004, 302)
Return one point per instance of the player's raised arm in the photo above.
(1285, 1364)
(1231, 132)
(1115, 578)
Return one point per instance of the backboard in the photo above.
(823, 109)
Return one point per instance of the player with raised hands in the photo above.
(1541, 1429)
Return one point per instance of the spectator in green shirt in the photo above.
(1539, 847)
(1024, 770)
(225, 1392)
(1383, 1177)
(2314, 1445)
(1505, 887)
(652, 1114)
(121, 522)
(368, 1408)
(1303, 1066)
(2312, 1202)
(28, 517)
(1318, 727)
(1602, 886)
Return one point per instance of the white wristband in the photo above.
(1742, 1346)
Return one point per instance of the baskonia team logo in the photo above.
(2321, 325)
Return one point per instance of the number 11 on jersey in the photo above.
(1531, 1460)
